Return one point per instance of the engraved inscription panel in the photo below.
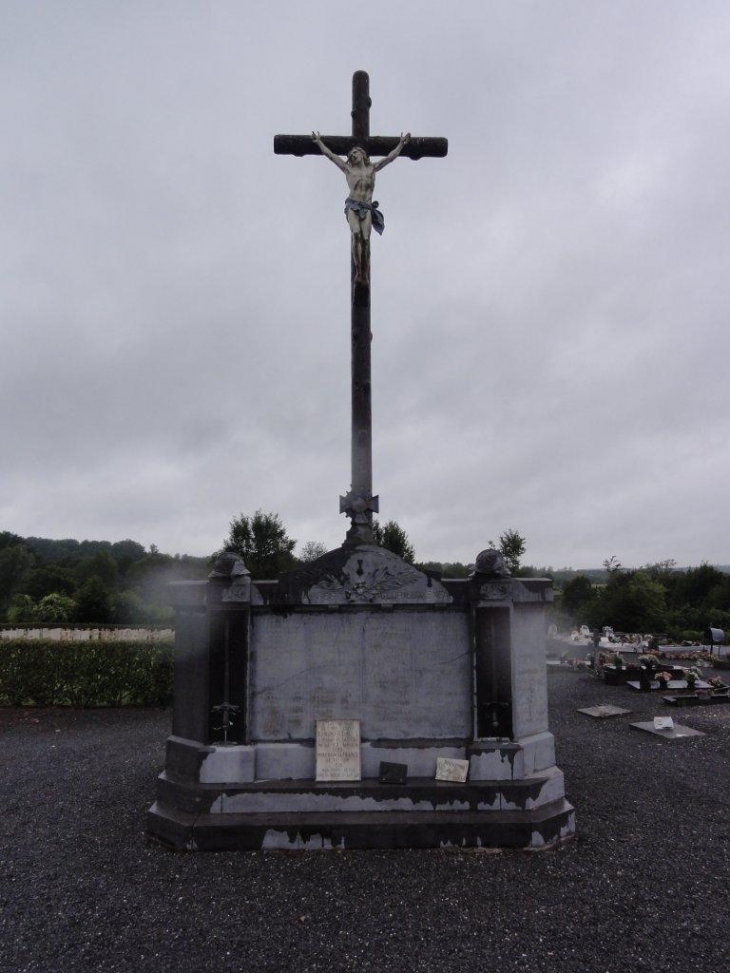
(338, 750)
(416, 676)
(403, 674)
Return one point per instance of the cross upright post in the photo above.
(359, 503)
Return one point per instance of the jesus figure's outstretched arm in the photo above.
(394, 154)
(330, 155)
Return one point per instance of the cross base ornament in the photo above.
(360, 508)
(362, 214)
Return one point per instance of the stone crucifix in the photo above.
(362, 214)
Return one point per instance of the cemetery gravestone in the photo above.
(603, 711)
(674, 731)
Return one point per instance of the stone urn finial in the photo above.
(490, 563)
(228, 567)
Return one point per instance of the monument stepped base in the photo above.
(530, 813)
(410, 827)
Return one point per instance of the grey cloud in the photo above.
(549, 305)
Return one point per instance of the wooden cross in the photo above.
(359, 503)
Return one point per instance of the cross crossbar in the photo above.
(374, 145)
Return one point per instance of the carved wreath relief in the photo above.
(367, 579)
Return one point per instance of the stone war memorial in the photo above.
(357, 702)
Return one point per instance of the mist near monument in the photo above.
(550, 339)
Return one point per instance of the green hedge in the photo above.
(49, 673)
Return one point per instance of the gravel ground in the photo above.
(644, 886)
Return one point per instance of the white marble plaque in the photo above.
(663, 723)
(449, 769)
(338, 750)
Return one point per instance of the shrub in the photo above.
(47, 673)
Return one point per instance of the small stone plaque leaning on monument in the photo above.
(453, 770)
(391, 773)
(338, 750)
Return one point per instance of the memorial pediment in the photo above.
(362, 575)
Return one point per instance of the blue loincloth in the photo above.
(362, 208)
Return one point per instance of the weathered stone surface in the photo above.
(224, 764)
(495, 761)
(360, 575)
(420, 795)
(285, 761)
(529, 678)
(542, 828)
(512, 590)
(360, 636)
(403, 674)
(539, 751)
(530, 755)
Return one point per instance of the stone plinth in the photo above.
(430, 668)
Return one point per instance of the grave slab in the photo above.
(694, 700)
(677, 731)
(603, 711)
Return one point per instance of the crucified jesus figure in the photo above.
(361, 212)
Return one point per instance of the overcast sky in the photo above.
(550, 302)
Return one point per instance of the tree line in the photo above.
(50, 582)
(658, 599)
(45, 581)
(267, 551)
(262, 542)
